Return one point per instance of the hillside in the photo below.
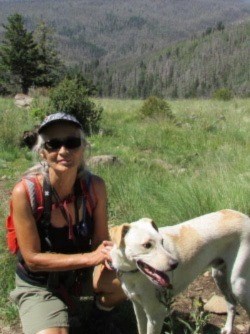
(114, 29)
(113, 40)
(192, 68)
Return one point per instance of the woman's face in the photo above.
(63, 149)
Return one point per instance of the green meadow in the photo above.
(169, 170)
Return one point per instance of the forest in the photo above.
(138, 48)
(194, 68)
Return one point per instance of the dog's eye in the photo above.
(148, 245)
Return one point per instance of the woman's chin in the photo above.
(64, 167)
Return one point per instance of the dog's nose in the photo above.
(173, 264)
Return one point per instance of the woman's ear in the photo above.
(42, 154)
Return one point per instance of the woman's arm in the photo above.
(30, 246)
(100, 212)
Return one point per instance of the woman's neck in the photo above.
(63, 183)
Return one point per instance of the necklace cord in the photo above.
(62, 204)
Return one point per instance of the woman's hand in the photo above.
(106, 247)
(102, 253)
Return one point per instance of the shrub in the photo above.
(72, 97)
(38, 113)
(155, 106)
(40, 107)
(223, 94)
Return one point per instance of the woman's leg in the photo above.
(39, 309)
(60, 330)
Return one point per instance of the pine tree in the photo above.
(50, 65)
(19, 53)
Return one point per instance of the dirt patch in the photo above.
(15, 329)
(205, 288)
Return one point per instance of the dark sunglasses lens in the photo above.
(53, 144)
(72, 142)
(56, 144)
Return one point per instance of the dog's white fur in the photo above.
(220, 239)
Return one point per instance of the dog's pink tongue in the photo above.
(156, 276)
(163, 281)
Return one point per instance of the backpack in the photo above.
(41, 205)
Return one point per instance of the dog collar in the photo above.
(121, 272)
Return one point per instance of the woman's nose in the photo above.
(63, 149)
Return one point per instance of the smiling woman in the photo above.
(61, 145)
(59, 247)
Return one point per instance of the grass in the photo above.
(204, 159)
(169, 170)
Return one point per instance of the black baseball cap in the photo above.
(58, 117)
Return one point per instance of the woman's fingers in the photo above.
(106, 248)
(107, 243)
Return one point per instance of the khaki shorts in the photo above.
(40, 309)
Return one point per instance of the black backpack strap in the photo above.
(46, 215)
(79, 198)
(91, 195)
(53, 277)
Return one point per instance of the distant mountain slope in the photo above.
(114, 29)
(192, 68)
(128, 46)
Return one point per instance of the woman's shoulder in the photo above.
(95, 185)
(92, 179)
(20, 188)
(97, 180)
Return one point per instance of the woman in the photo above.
(51, 263)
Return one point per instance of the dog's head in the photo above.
(140, 245)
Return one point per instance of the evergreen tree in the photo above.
(50, 66)
(19, 53)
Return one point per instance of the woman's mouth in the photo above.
(64, 162)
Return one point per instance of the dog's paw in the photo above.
(226, 330)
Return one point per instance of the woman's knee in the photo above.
(108, 288)
(105, 280)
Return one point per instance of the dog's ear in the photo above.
(148, 221)
(117, 234)
(154, 225)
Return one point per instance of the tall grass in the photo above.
(204, 157)
(13, 122)
(169, 170)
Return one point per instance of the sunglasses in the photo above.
(69, 143)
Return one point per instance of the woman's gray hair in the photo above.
(42, 167)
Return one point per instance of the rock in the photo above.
(103, 160)
(206, 274)
(22, 100)
(216, 304)
(241, 328)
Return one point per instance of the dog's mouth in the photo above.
(156, 276)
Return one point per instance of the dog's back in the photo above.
(222, 240)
